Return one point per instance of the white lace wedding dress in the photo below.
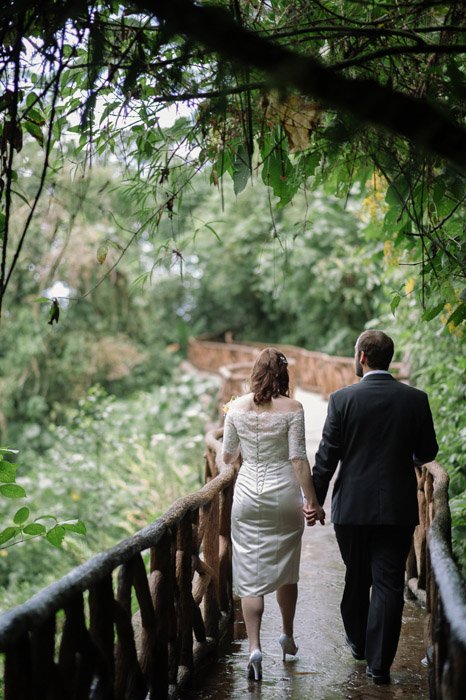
(267, 520)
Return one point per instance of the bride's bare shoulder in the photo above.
(243, 403)
(284, 403)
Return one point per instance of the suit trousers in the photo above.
(373, 597)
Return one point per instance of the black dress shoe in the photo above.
(378, 675)
(357, 653)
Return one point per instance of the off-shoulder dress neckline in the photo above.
(267, 413)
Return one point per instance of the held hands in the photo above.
(313, 512)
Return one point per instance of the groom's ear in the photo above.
(363, 357)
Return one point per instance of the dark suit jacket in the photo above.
(376, 430)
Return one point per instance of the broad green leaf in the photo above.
(78, 527)
(32, 99)
(224, 163)
(34, 529)
(55, 535)
(35, 131)
(457, 79)
(438, 192)
(241, 169)
(397, 191)
(278, 172)
(458, 315)
(8, 451)
(310, 161)
(12, 491)
(102, 252)
(21, 196)
(34, 115)
(432, 312)
(7, 471)
(395, 303)
(21, 515)
(8, 533)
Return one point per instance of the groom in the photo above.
(376, 430)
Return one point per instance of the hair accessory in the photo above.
(282, 360)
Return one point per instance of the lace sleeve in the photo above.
(296, 437)
(230, 436)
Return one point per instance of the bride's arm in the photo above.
(231, 445)
(312, 510)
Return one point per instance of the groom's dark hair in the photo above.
(378, 348)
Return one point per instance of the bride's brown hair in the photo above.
(269, 376)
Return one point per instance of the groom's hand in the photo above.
(313, 513)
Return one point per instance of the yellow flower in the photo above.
(226, 407)
(373, 207)
(3, 552)
(410, 284)
(75, 496)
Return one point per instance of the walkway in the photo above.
(324, 669)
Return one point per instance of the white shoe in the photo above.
(255, 665)
(288, 645)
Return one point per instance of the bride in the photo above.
(267, 518)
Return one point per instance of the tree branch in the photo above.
(400, 51)
(10, 148)
(45, 167)
(425, 125)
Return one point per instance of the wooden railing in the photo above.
(80, 637)
(313, 371)
(435, 579)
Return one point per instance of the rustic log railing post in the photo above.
(210, 515)
(101, 613)
(17, 674)
(78, 656)
(147, 621)
(162, 592)
(184, 579)
(47, 683)
(225, 569)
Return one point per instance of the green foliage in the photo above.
(23, 528)
(77, 99)
(303, 274)
(438, 365)
(122, 336)
(458, 522)
(118, 465)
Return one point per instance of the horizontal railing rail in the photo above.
(313, 371)
(80, 637)
(445, 594)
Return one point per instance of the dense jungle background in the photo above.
(251, 211)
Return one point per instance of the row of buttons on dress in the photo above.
(261, 469)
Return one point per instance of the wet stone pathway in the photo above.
(323, 668)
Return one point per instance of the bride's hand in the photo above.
(313, 512)
(320, 515)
